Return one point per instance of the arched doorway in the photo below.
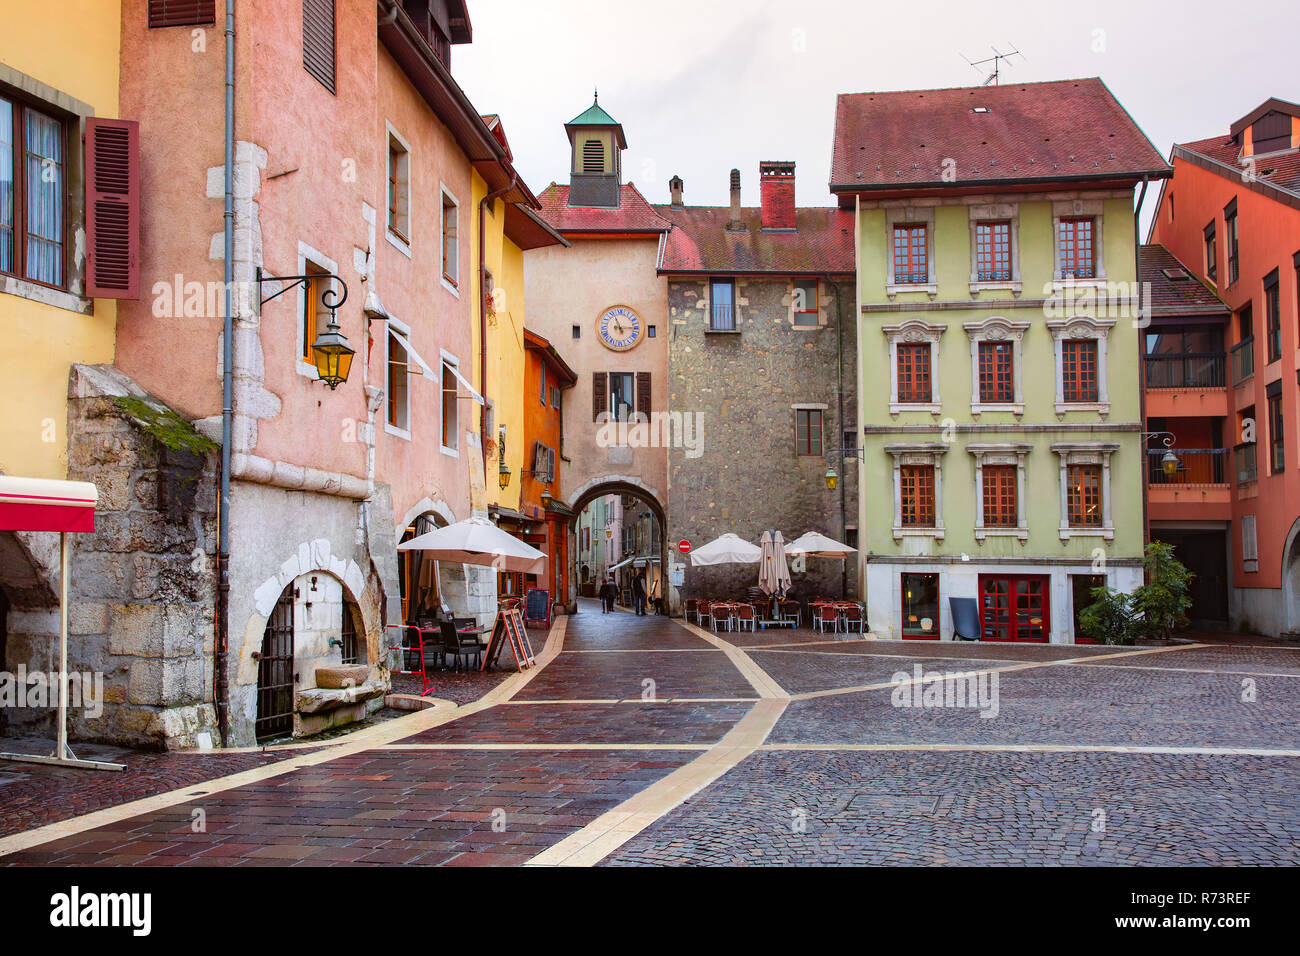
(1291, 581)
(275, 673)
(418, 575)
(619, 527)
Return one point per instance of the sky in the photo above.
(702, 86)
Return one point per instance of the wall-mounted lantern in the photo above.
(331, 353)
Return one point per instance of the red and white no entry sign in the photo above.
(684, 547)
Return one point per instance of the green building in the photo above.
(1001, 456)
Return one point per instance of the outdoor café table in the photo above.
(482, 633)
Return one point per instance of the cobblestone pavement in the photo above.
(645, 742)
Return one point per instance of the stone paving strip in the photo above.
(354, 743)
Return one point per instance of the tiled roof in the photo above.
(1170, 296)
(1065, 129)
(1281, 170)
(633, 214)
(700, 242)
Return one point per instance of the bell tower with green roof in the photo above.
(596, 172)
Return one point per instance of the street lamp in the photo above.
(330, 353)
(832, 479)
(503, 470)
(832, 476)
(1169, 463)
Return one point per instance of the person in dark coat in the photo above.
(608, 593)
(638, 593)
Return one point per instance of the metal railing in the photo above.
(1196, 466)
(1243, 360)
(723, 318)
(1244, 458)
(1187, 370)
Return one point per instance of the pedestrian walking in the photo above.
(608, 592)
(638, 593)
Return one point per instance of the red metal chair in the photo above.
(826, 614)
(745, 615)
(413, 658)
(853, 617)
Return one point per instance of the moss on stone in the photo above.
(165, 426)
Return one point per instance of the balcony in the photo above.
(1244, 457)
(1197, 370)
(1243, 360)
(722, 318)
(1197, 491)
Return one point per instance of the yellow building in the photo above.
(58, 76)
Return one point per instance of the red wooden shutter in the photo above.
(643, 394)
(179, 13)
(599, 394)
(112, 209)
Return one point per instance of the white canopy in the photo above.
(813, 544)
(636, 562)
(727, 549)
(478, 541)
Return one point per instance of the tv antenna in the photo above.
(996, 59)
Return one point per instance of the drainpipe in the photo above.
(221, 690)
(1142, 369)
(482, 315)
(839, 372)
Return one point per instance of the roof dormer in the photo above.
(1272, 127)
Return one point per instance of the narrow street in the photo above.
(642, 740)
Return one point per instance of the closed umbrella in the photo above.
(726, 549)
(478, 541)
(813, 544)
(773, 574)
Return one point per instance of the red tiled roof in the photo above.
(633, 214)
(1065, 129)
(1176, 296)
(700, 242)
(1281, 170)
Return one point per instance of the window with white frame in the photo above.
(313, 311)
(450, 406)
(995, 365)
(1080, 345)
(804, 303)
(995, 247)
(1077, 242)
(450, 241)
(396, 387)
(909, 246)
(1000, 490)
(1085, 489)
(913, 361)
(918, 489)
(399, 191)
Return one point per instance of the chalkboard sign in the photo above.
(509, 630)
(537, 607)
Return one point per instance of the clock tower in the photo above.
(596, 144)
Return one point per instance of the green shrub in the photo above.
(1152, 612)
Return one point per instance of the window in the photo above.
(1079, 370)
(622, 398)
(805, 302)
(1249, 543)
(450, 407)
(920, 605)
(541, 379)
(916, 489)
(399, 189)
(33, 193)
(650, 331)
(543, 463)
(181, 13)
(1083, 496)
(1246, 460)
(1014, 607)
(1211, 254)
(722, 300)
(911, 259)
(312, 310)
(996, 373)
(1075, 248)
(1273, 316)
(318, 40)
(349, 650)
(1276, 432)
(808, 431)
(1000, 504)
(555, 396)
(1230, 224)
(992, 251)
(914, 373)
(450, 240)
(396, 384)
(577, 331)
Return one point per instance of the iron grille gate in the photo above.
(275, 677)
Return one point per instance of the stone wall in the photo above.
(744, 385)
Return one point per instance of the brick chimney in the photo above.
(776, 181)
(736, 223)
(675, 190)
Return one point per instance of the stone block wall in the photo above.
(744, 385)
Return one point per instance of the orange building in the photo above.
(543, 519)
(1231, 215)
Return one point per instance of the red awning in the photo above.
(44, 504)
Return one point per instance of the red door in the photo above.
(1015, 607)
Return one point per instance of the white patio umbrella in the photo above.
(813, 544)
(726, 549)
(773, 573)
(478, 541)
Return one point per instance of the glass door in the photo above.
(1015, 608)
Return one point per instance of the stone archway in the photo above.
(1290, 610)
(635, 487)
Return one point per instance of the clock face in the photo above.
(619, 328)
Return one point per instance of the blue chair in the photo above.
(965, 618)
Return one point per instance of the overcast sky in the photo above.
(701, 86)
